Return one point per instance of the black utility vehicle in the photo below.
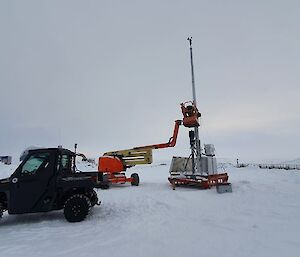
(47, 180)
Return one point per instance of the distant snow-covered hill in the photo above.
(295, 162)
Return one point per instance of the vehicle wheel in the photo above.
(105, 182)
(136, 179)
(105, 187)
(93, 198)
(77, 207)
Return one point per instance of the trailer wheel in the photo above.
(136, 179)
(76, 208)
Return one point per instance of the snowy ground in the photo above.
(260, 218)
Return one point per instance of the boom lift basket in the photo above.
(190, 114)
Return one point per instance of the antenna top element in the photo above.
(190, 40)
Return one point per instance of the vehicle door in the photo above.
(29, 185)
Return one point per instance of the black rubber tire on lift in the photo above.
(106, 183)
(93, 198)
(106, 186)
(136, 179)
(77, 207)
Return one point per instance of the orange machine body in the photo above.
(190, 115)
(114, 168)
(110, 164)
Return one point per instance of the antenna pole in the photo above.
(192, 71)
(198, 143)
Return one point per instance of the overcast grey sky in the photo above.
(111, 74)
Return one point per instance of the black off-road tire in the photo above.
(105, 182)
(77, 207)
(136, 179)
(105, 186)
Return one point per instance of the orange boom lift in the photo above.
(114, 164)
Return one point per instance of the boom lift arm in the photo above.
(170, 143)
(118, 161)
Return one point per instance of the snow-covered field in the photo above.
(260, 218)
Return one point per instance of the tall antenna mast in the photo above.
(204, 172)
(196, 130)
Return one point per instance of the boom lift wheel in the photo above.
(105, 187)
(106, 179)
(93, 198)
(135, 179)
(77, 208)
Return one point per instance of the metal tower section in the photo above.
(196, 129)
